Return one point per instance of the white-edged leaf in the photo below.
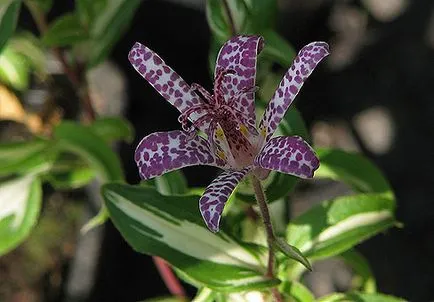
(171, 227)
(296, 292)
(20, 204)
(337, 225)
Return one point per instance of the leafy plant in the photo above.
(160, 217)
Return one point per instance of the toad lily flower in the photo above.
(228, 119)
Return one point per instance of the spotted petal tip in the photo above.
(213, 200)
(290, 155)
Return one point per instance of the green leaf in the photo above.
(296, 292)
(172, 183)
(292, 252)
(204, 295)
(365, 279)
(359, 297)
(109, 25)
(9, 12)
(14, 69)
(170, 227)
(219, 21)
(78, 139)
(334, 226)
(65, 31)
(26, 157)
(70, 172)
(261, 14)
(353, 169)
(28, 46)
(165, 299)
(113, 128)
(88, 10)
(276, 48)
(20, 204)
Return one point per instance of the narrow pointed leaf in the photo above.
(335, 226)
(20, 204)
(170, 227)
(171, 183)
(292, 252)
(14, 69)
(277, 48)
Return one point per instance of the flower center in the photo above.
(231, 133)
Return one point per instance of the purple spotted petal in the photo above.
(213, 200)
(288, 154)
(161, 152)
(164, 79)
(303, 65)
(239, 55)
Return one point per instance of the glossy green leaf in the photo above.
(109, 25)
(204, 295)
(171, 227)
(353, 169)
(20, 204)
(26, 157)
(14, 69)
(70, 172)
(277, 49)
(9, 11)
(334, 226)
(78, 139)
(113, 129)
(364, 279)
(360, 297)
(296, 292)
(65, 31)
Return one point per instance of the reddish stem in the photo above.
(169, 278)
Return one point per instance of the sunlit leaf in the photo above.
(171, 227)
(14, 69)
(334, 226)
(20, 204)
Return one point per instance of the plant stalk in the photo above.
(265, 215)
(170, 280)
(77, 79)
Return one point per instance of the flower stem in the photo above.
(265, 215)
(169, 278)
(230, 17)
(77, 79)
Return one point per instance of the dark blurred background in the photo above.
(373, 94)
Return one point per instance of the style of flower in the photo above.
(228, 118)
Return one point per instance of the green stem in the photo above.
(265, 215)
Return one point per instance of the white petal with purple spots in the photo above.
(213, 200)
(164, 79)
(162, 152)
(290, 155)
(239, 55)
(303, 65)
